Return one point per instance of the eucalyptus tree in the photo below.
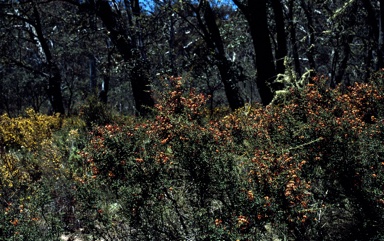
(122, 21)
(114, 45)
(281, 50)
(46, 48)
(202, 41)
(374, 11)
(209, 30)
(341, 38)
(256, 13)
(31, 49)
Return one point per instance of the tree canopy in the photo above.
(55, 54)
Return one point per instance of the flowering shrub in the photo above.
(28, 158)
(256, 173)
(27, 147)
(94, 112)
(323, 147)
(28, 132)
(308, 169)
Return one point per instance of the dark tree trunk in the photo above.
(266, 72)
(381, 40)
(54, 81)
(142, 95)
(54, 90)
(373, 24)
(292, 31)
(281, 38)
(139, 77)
(343, 65)
(227, 73)
(334, 61)
(307, 8)
(231, 90)
(368, 62)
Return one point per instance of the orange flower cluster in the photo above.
(274, 150)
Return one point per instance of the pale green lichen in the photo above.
(290, 80)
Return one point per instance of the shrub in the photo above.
(27, 132)
(308, 169)
(31, 169)
(95, 112)
(296, 170)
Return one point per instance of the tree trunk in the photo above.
(54, 90)
(54, 81)
(373, 23)
(139, 77)
(292, 31)
(281, 38)
(343, 65)
(381, 40)
(215, 42)
(266, 72)
(307, 8)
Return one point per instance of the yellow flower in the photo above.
(74, 133)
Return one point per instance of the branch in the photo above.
(305, 144)
(27, 67)
(241, 6)
(19, 18)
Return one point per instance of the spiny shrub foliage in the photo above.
(94, 112)
(27, 153)
(311, 169)
(28, 132)
(21, 140)
(308, 169)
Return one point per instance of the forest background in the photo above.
(56, 54)
(192, 120)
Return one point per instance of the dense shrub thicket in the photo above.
(308, 167)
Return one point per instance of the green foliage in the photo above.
(295, 170)
(311, 169)
(35, 192)
(94, 112)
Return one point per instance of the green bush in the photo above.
(37, 173)
(293, 171)
(94, 112)
(308, 169)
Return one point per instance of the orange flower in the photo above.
(139, 160)
(111, 174)
(95, 170)
(14, 222)
(250, 195)
(218, 222)
(164, 141)
(242, 220)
